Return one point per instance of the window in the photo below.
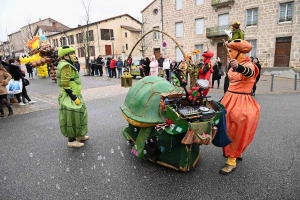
(155, 12)
(126, 34)
(79, 37)
(199, 2)
(223, 19)
(63, 41)
(253, 50)
(106, 34)
(251, 17)
(178, 54)
(156, 34)
(92, 50)
(55, 42)
(90, 35)
(81, 52)
(179, 4)
(71, 39)
(179, 29)
(200, 47)
(199, 26)
(126, 46)
(286, 12)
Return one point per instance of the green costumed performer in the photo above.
(72, 109)
(237, 33)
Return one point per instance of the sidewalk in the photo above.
(103, 87)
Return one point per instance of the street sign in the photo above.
(164, 44)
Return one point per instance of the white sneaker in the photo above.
(22, 104)
(32, 101)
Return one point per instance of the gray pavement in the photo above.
(36, 163)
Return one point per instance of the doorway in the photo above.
(108, 50)
(282, 52)
(222, 54)
(156, 52)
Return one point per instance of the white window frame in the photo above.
(179, 4)
(179, 29)
(199, 2)
(156, 35)
(226, 23)
(252, 53)
(199, 26)
(201, 48)
(286, 17)
(254, 19)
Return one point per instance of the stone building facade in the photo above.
(113, 36)
(272, 27)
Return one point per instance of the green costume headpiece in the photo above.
(65, 50)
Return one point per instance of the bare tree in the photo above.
(144, 43)
(86, 34)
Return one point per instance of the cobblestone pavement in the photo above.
(102, 87)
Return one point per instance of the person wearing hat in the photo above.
(206, 70)
(243, 110)
(237, 33)
(72, 109)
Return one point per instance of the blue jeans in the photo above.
(119, 72)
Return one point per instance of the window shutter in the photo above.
(178, 4)
(249, 17)
(179, 55)
(255, 11)
(223, 19)
(199, 2)
(179, 29)
(282, 11)
(200, 26)
(289, 10)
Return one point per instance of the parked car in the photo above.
(135, 69)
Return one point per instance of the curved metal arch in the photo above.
(178, 45)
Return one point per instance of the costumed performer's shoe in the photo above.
(75, 144)
(227, 169)
(82, 138)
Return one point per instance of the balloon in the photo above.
(43, 38)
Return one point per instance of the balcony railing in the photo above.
(219, 3)
(217, 31)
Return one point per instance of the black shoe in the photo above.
(2, 113)
(10, 112)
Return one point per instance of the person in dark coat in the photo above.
(17, 74)
(215, 76)
(147, 66)
(29, 70)
(256, 62)
(100, 65)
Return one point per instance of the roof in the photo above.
(148, 6)
(103, 20)
(129, 28)
(43, 20)
(51, 28)
(14, 33)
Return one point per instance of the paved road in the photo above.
(37, 164)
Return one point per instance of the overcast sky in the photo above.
(15, 14)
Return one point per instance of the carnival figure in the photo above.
(206, 70)
(242, 109)
(72, 109)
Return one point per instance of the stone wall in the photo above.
(265, 33)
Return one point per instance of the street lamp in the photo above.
(112, 39)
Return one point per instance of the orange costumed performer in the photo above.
(206, 70)
(242, 109)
